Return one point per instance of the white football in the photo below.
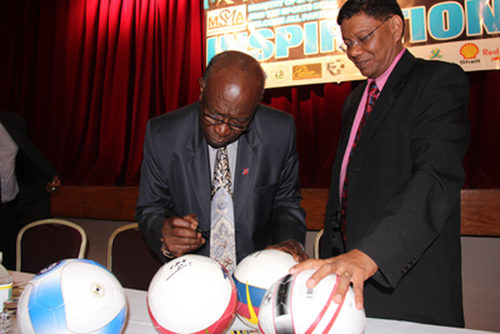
(192, 294)
(72, 296)
(253, 276)
(289, 306)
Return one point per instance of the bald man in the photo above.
(174, 204)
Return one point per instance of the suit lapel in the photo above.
(199, 170)
(246, 167)
(349, 115)
(386, 98)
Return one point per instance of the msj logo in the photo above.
(229, 19)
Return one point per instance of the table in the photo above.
(138, 321)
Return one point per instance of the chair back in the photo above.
(46, 241)
(317, 243)
(130, 259)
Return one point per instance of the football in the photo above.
(289, 306)
(72, 296)
(192, 294)
(253, 276)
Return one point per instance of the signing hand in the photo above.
(180, 235)
(352, 267)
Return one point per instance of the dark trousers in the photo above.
(10, 224)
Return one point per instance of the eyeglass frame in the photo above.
(214, 121)
(363, 40)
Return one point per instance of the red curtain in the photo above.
(88, 74)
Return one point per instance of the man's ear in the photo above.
(396, 25)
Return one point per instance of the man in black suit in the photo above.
(400, 207)
(174, 202)
(27, 179)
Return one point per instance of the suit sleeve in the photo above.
(288, 216)
(428, 202)
(154, 202)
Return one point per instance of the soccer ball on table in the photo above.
(192, 294)
(72, 296)
(253, 276)
(289, 306)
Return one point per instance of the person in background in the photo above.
(392, 225)
(26, 181)
(220, 177)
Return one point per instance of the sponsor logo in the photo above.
(469, 52)
(226, 20)
(279, 73)
(494, 54)
(307, 71)
(335, 67)
(435, 54)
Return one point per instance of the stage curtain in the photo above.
(88, 74)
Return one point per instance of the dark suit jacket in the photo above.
(33, 171)
(176, 180)
(405, 178)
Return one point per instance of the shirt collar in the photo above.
(381, 80)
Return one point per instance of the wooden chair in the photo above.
(46, 241)
(130, 259)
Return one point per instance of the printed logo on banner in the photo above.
(435, 54)
(336, 67)
(494, 54)
(279, 73)
(469, 52)
(307, 71)
(226, 20)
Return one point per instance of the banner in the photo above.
(298, 41)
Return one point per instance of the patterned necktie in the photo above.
(222, 239)
(370, 104)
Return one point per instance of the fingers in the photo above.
(358, 294)
(308, 264)
(180, 235)
(344, 284)
(353, 267)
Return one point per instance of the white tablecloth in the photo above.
(138, 321)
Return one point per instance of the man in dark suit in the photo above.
(400, 206)
(27, 179)
(174, 202)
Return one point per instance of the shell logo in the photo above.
(469, 51)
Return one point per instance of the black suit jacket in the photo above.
(176, 180)
(33, 171)
(405, 177)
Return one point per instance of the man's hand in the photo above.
(292, 247)
(180, 235)
(353, 266)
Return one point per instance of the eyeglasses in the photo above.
(363, 40)
(235, 126)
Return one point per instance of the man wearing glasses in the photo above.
(181, 160)
(392, 226)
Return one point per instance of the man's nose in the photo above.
(222, 130)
